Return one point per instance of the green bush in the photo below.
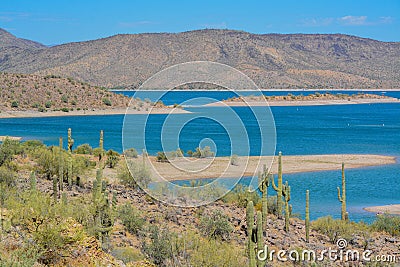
(137, 173)
(7, 176)
(131, 153)
(387, 223)
(65, 109)
(127, 254)
(107, 102)
(14, 104)
(159, 249)
(8, 149)
(203, 153)
(162, 157)
(112, 158)
(216, 225)
(131, 218)
(64, 98)
(84, 149)
(48, 104)
(240, 195)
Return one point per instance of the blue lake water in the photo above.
(369, 128)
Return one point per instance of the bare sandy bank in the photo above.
(390, 209)
(30, 114)
(189, 168)
(273, 103)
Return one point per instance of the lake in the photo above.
(301, 130)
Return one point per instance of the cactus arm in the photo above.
(274, 185)
(338, 193)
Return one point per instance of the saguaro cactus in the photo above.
(55, 188)
(307, 216)
(32, 182)
(342, 198)
(250, 230)
(286, 194)
(260, 241)
(264, 184)
(69, 170)
(60, 166)
(278, 188)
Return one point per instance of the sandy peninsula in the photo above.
(116, 111)
(309, 100)
(190, 168)
(389, 209)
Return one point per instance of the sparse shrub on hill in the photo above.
(131, 153)
(387, 223)
(14, 104)
(159, 249)
(8, 149)
(240, 195)
(131, 218)
(112, 158)
(107, 102)
(216, 225)
(7, 176)
(84, 149)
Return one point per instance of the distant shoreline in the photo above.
(251, 90)
(393, 209)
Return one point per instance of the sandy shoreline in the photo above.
(221, 167)
(393, 209)
(117, 111)
(301, 103)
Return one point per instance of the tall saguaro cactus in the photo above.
(60, 166)
(264, 184)
(260, 241)
(342, 198)
(308, 216)
(250, 230)
(286, 195)
(101, 147)
(278, 188)
(69, 170)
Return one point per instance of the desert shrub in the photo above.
(127, 254)
(137, 173)
(9, 148)
(84, 149)
(7, 176)
(387, 223)
(65, 109)
(234, 160)
(131, 218)
(336, 229)
(107, 102)
(32, 145)
(131, 153)
(217, 253)
(64, 98)
(162, 157)
(48, 104)
(216, 225)
(23, 256)
(179, 153)
(112, 158)
(14, 104)
(240, 195)
(203, 153)
(159, 249)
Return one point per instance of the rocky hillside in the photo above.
(50, 93)
(271, 60)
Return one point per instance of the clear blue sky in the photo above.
(61, 21)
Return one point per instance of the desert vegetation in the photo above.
(71, 205)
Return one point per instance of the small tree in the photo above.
(112, 158)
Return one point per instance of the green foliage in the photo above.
(216, 225)
(159, 248)
(240, 195)
(24, 256)
(48, 104)
(131, 218)
(84, 149)
(336, 229)
(14, 104)
(64, 98)
(31, 145)
(107, 102)
(342, 198)
(202, 153)
(8, 149)
(162, 157)
(65, 109)
(138, 173)
(387, 223)
(278, 188)
(250, 234)
(7, 176)
(127, 254)
(131, 153)
(112, 158)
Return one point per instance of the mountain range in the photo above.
(279, 61)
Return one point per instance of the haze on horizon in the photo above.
(57, 22)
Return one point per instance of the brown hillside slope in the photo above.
(47, 93)
(271, 60)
